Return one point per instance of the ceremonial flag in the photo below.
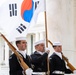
(16, 16)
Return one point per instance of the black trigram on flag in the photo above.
(13, 9)
(21, 28)
(36, 3)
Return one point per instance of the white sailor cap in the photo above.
(20, 38)
(57, 44)
(39, 42)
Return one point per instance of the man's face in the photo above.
(58, 48)
(40, 47)
(22, 45)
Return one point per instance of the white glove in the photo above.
(28, 71)
(47, 50)
(74, 72)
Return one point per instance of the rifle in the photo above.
(22, 63)
(68, 63)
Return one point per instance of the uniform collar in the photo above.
(59, 54)
(23, 53)
(41, 53)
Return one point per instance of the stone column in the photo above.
(41, 36)
(6, 54)
(37, 37)
(74, 23)
(53, 8)
(1, 51)
(60, 24)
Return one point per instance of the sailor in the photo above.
(39, 58)
(57, 63)
(14, 64)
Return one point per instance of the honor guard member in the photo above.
(39, 58)
(14, 65)
(57, 64)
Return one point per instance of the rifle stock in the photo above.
(22, 63)
(68, 63)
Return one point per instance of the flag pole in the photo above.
(46, 35)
